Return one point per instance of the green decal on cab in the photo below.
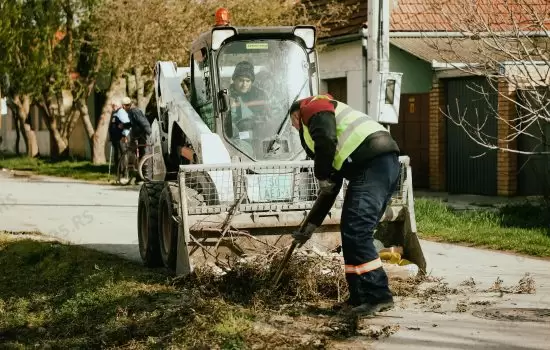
(257, 46)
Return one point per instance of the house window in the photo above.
(338, 89)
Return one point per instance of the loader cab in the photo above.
(243, 81)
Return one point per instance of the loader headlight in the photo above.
(220, 35)
(307, 34)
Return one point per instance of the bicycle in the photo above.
(128, 163)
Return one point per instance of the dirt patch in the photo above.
(515, 314)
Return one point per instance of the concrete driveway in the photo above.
(104, 217)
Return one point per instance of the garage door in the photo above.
(533, 169)
(412, 135)
(471, 168)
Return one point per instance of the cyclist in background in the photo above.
(140, 133)
(119, 128)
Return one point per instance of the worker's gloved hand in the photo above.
(302, 236)
(326, 187)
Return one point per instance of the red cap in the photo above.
(222, 17)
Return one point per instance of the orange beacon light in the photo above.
(222, 17)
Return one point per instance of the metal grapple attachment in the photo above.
(240, 209)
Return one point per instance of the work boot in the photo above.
(368, 309)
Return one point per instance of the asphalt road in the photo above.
(101, 216)
(104, 217)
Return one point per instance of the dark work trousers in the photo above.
(369, 190)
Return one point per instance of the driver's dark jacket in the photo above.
(322, 128)
(255, 99)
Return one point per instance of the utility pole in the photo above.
(383, 86)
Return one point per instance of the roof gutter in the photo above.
(340, 39)
(437, 65)
(357, 36)
(443, 34)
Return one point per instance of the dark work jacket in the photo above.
(140, 125)
(322, 128)
(255, 99)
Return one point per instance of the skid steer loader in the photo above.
(228, 180)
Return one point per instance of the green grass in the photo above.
(76, 169)
(68, 297)
(58, 296)
(520, 228)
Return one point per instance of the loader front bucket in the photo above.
(229, 211)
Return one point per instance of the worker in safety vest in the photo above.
(346, 143)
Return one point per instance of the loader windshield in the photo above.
(263, 78)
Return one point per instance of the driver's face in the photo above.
(243, 84)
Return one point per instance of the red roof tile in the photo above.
(451, 15)
(470, 15)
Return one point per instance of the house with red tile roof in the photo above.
(438, 45)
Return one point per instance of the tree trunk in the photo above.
(17, 131)
(61, 145)
(85, 115)
(75, 116)
(88, 126)
(99, 138)
(32, 141)
(23, 108)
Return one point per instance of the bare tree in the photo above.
(507, 42)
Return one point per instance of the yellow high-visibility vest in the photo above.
(352, 128)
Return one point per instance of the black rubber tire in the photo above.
(148, 205)
(167, 226)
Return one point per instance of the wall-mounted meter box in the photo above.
(389, 95)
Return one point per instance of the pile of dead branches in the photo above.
(307, 278)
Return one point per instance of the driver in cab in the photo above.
(246, 100)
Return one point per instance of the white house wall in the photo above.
(345, 61)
